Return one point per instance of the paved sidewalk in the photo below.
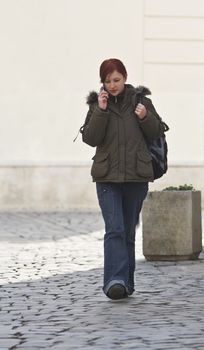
(51, 298)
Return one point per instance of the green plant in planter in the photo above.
(180, 188)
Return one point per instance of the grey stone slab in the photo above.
(26, 347)
(9, 342)
(37, 343)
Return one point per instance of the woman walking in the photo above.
(119, 121)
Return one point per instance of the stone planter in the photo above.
(172, 225)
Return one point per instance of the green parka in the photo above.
(119, 136)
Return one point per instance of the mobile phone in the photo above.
(103, 89)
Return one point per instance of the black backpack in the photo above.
(158, 150)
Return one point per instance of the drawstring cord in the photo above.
(80, 131)
(76, 136)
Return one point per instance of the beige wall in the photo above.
(50, 54)
(174, 68)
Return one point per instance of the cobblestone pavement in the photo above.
(51, 297)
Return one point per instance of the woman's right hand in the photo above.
(102, 99)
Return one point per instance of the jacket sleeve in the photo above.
(151, 125)
(94, 129)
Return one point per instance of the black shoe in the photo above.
(117, 291)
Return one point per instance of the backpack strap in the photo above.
(139, 99)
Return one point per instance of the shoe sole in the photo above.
(117, 291)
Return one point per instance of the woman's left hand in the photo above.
(140, 111)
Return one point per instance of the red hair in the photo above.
(109, 66)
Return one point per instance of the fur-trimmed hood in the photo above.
(140, 90)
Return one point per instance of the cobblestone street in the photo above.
(51, 298)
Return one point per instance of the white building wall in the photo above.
(50, 54)
(174, 68)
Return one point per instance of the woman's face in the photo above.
(114, 83)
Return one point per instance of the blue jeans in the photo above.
(120, 204)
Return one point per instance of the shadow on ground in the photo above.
(69, 311)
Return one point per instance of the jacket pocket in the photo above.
(100, 165)
(144, 164)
